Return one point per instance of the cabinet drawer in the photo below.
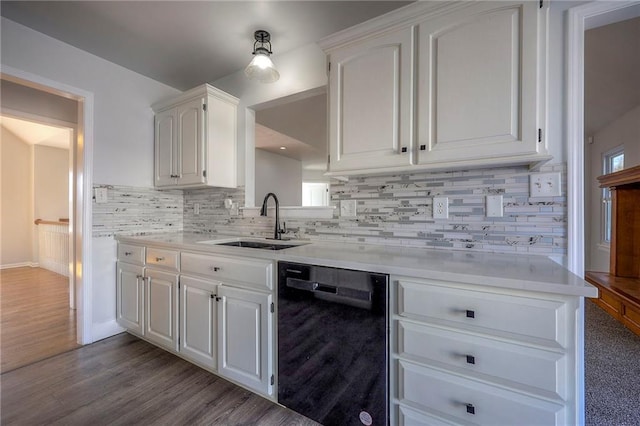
(522, 317)
(474, 354)
(444, 394)
(256, 273)
(162, 257)
(131, 254)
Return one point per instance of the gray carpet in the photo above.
(612, 371)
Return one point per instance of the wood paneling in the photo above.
(619, 296)
(123, 380)
(36, 321)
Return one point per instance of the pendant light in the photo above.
(261, 67)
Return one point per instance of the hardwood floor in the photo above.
(123, 380)
(35, 319)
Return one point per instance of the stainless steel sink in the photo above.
(257, 245)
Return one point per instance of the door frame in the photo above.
(578, 17)
(80, 220)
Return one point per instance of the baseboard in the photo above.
(20, 265)
(106, 329)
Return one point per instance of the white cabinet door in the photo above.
(479, 83)
(130, 297)
(166, 164)
(190, 142)
(161, 308)
(371, 103)
(245, 336)
(198, 320)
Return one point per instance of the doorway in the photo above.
(80, 184)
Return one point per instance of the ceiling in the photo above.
(187, 43)
(611, 83)
(36, 133)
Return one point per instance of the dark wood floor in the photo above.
(123, 380)
(35, 319)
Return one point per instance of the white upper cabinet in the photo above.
(195, 140)
(370, 109)
(478, 84)
(455, 84)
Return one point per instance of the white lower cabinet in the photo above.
(463, 354)
(161, 308)
(199, 321)
(245, 343)
(130, 297)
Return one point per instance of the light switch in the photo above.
(494, 206)
(101, 195)
(440, 207)
(544, 184)
(348, 208)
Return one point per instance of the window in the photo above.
(612, 161)
(315, 194)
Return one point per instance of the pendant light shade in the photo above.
(261, 67)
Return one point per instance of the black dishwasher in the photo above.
(332, 344)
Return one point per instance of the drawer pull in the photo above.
(471, 359)
(471, 409)
(213, 296)
(470, 314)
(214, 268)
(160, 259)
(128, 253)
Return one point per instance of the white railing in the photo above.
(53, 246)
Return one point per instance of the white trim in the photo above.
(20, 265)
(83, 146)
(102, 330)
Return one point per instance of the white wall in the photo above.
(16, 226)
(625, 131)
(280, 175)
(51, 183)
(122, 132)
(123, 120)
(300, 70)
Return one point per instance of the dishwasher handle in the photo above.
(310, 286)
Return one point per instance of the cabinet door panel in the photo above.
(371, 103)
(198, 320)
(130, 297)
(165, 148)
(478, 83)
(244, 353)
(191, 142)
(161, 325)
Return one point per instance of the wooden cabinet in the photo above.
(465, 355)
(195, 140)
(130, 297)
(161, 308)
(245, 348)
(199, 320)
(371, 92)
(457, 86)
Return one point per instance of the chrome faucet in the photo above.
(263, 212)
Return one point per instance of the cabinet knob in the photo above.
(214, 268)
(404, 149)
(470, 409)
(213, 296)
(470, 359)
(470, 313)
(218, 299)
(423, 147)
(160, 259)
(128, 253)
(140, 277)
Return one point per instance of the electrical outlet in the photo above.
(101, 195)
(348, 208)
(494, 206)
(544, 184)
(440, 207)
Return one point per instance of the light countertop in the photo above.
(511, 271)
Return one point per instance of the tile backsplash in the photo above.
(391, 209)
